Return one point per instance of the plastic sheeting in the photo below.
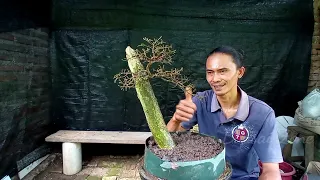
(91, 37)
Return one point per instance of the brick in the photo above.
(85, 171)
(37, 68)
(128, 174)
(39, 34)
(315, 46)
(109, 178)
(5, 58)
(12, 47)
(316, 40)
(7, 78)
(33, 33)
(43, 60)
(113, 172)
(18, 57)
(312, 83)
(314, 52)
(314, 69)
(40, 85)
(32, 59)
(98, 171)
(315, 57)
(30, 50)
(7, 36)
(11, 68)
(315, 63)
(315, 77)
(31, 41)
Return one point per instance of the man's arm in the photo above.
(270, 171)
(268, 148)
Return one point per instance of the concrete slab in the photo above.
(115, 137)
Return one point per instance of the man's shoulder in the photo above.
(259, 105)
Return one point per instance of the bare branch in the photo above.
(150, 52)
(156, 50)
(174, 76)
(125, 78)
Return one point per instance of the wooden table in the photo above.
(308, 138)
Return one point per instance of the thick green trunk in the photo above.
(149, 103)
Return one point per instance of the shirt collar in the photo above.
(243, 108)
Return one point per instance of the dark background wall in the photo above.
(90, 38)
(25, 83)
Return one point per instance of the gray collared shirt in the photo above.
(249, 136)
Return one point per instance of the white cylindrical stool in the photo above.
(72, 158)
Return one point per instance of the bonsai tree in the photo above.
(154, 51)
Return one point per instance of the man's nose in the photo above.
(216, 77)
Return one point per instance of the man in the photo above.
(245, 124)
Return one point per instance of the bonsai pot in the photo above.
(186, 162)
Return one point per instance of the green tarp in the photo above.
(90, 38)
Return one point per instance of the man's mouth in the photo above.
(218, 87)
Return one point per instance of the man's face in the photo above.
(222, 73)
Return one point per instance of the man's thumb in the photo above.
(188, 94)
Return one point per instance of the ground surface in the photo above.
(95, 168)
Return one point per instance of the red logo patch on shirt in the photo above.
(240, 133)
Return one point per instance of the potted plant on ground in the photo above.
(180, 155)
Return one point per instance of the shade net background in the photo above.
(91, 36)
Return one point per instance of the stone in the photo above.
(93, 178)
(109, 178)
(114, 172)
(81, 177)
(86, 171)
(128, 174)
(111, 164)
(137, 173)
(55, 176)
(131, 164)
(98, 171)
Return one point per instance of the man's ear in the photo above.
(241, 72)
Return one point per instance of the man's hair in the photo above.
(236, 56)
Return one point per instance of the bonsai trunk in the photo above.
(149, 102)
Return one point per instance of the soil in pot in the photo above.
(189, 147)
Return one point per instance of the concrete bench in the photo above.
(71, 144)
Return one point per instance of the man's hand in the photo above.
(186, 108)
(184, 112)
(270, 171)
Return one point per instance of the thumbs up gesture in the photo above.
(186, 108)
